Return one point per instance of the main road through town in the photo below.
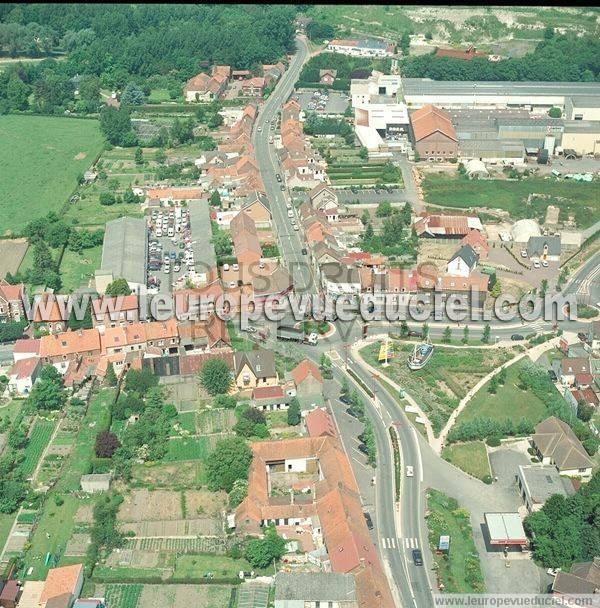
(290, 241)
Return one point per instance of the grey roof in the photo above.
(369, 43)
(261, 362)
(315, 586)
(536, 244)
(96, 478)
(201, 231)
(426, 86)
(278, 282)
(582, 126)
(467, 253)
(544, 481)
(504, 527)
(124, 249)
(586, 101)
(257, 196)
(339, 273)
(491, 148)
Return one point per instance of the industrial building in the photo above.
(585, 107)
(582, 136)
(533, 96)
(124, 254)
(362, 48)
(205, 260)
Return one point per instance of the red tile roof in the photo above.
(70, 343)
(267, 392)
(428, 120)
(27, 345)
(61, 580)
(24, 368)
(304, 369)
(319, 422)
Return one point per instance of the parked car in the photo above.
(552, 375)
(415, 334)
(523, 253)
(536, 264)
(417, 557)
(517, 337)
(363, 448)
(368, 520)
(410, 472)
(250, 329)
(282, 187)
(304, 251)
(583, 337)
(544, 263)
(278, 177)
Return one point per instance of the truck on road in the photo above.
(293, 334)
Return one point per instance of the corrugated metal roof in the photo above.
(124, 249)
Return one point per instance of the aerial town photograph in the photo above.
(299, 305)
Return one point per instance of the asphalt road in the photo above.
(290, 241)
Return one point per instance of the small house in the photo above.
(327, 76)
(308, 379)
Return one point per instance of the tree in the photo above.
(425, 331)
(215, 199)
(47, 394)
(228, 462)
(115, 124)
(447, 335)
(111, 377)
(403, 329)
(363, 153)
(293, 413)
(496, 290)
(365, 218)
(493, 385)
(119, 287)
(369, 232)
(555, 112)
(225, 401)
(139, 156)
(384, 209)
(160, 157)
(107, 198)
(140, 381)
(215, 376)
(465, 338)
(11, 331)
(584, 411)
(251, 422)
(107, 444)
(132, 95)
(263, 552)
(89, 93)
(239, 491)
(485, 336)
(405, 43)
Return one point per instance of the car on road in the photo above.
(523, 253)
(259, 129)
(410, 472)
(545, 263)
(517, 337)
(289, 205)
(282, 187)
(415, 334)
(417, 557)
(290, 213)
(552, 375)
(368, 520)
(176, 268)
(536, 264)
(296, 227)
(304, 251)
(583, 337)
(278, 177)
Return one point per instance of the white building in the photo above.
(338, 279)
(361, 90)
(361, 48)
(463, 262)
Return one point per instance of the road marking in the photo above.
(411, 543)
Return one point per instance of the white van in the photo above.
(171, 231)
(290, 213)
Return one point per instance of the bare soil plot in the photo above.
(202, 544)
(205, 503)
(12, 253)
(78, 545)
(184, 596)
(174, 527)
(188, 474)
(182, 392)
(85, 514)
(146, 505)
(215, 421)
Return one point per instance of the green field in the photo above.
(188, 448)
(470, 456)
(123, 596)
(509, 402)
(40, 159)
(37, 442)
(460, 571)
(222, 566)
(77, 269)
(582, 200)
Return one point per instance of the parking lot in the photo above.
(322, 101)
(170, 254)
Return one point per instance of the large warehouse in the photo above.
(124, 254)
(483, 94)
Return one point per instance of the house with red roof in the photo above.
(319, 422)
(270, 398)
(11, 301)
(308, 379)
(23, 374)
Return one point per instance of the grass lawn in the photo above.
(509, 402)
(460, 570)
(221, 566)
(444, 381)
(77, 269)
(238, 343)
(187, 421)
(89, 213)
(188, 448)
(573, 198)
(40, 159)
(57, 522)
(6, 522)
(470, 456)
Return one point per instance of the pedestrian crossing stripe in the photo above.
(390, 543)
